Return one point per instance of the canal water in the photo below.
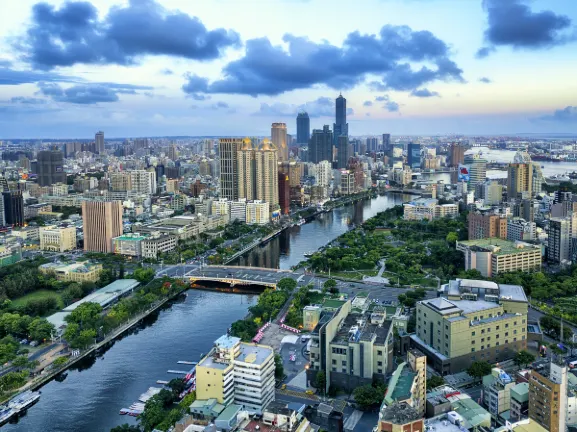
(288, 249)
(92, 394)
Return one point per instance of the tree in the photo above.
(479, 369)
(367, 396)
(287, 284)
(523, 358)
(435, 381)
(143, 275)
(321, 381)
(278, 367)
(126, 428)
(40, 329)
(176, 385)
(60, 361)
(20, 362)
(330, 284)
(452, 237)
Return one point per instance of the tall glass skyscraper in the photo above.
(321, 145)
(303, 129)
(340, 127)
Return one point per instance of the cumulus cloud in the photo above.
(167, 72)
(565, 115)
(485, 80)
(10, 76)
(74, 34)
(28, 100)
(424, 93)
(367, 103)
(389, 105)
(513, 23)
(86, 94)
(320, 107)
(266, 69)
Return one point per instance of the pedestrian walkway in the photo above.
(352, 420)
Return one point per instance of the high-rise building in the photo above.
(519, 180)
(387, 147)
(13, 208)
(284, 192)
(414, 155)
(486, 225)
(548, 397)
(228, 152)
(372, 145)
(457, 155)
(246, 171)
(518, 229)
(321, 145)
(279, 140)
(50, 167)
(477, 169)
(323, 174)
(340, 127)
(344, 151)
(120, 181)
(492, 192)
(303, 129)
(266, 173)
(559, 240)
(102, 221)
(143, 181)
(173, 152)
(99, 142)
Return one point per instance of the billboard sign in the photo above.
(464, 175)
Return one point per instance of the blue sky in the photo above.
(232, 67)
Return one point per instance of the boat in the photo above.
(23, 400)
(6, 414)
(309, 254)
(301, 221)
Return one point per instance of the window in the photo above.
(379, 352)
(489, 330)
(523, 321)
(506, 341)
(489, 338)
(379, 363)
(482, 339)
(514, 339)
(446, 327)
(379, 371)
(482, 347)
(497, 328)
(334, 369)
(344, 363)
(496, 343)
(473, 342)
(344, 370)
(522, 337)
(473, 334)
(514, 331)
(506, 333)
(496, 336)
(334, 362)
(483, 331)
(514, 322)
(472, 349)
(506, 325)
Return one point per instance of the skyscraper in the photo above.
(279, 140)
(99, 142)
(344, 151)
(519, 180)
(340, 127)
(477, 169)
(321, 145)
(228, 152)
(548, 396)
(387, 147)
(303, 129)
(414, 155)
(284, 192)
(13, 208)
(266, 173)
(101, 221)
(50, 167)
(246, 171)
(457, 154)
(172, 152)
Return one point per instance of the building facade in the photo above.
(486, 225)
(50, 167)
(57, 239)
(279, 140)
(228, 153)
(101, 221)
(321, 145)
(303, 129)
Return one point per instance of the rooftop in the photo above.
(520, 392)
(399, 388)
(399, 414)
(226, 341)
(108, 294)
(357, 326)
(254, 354)
(131, 237)
(499, 246)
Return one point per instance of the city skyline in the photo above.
(70, 69)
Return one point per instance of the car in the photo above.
(310, 392)
(33, 343)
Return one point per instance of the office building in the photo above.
(340, 127)
(129, 244)
(237, 372)
(492, 193)
(57, 239)
(99, 142)
(228, 153)
(519, 180)
(343, 151)
(50, 167)
(486, 225)
(102, 221)
(347, 182)
(456, 155)
(548, 397)
(257, 212)
(493, 256)
(497, 391)
(350, 346)
(387, 146)
(518, 229)
(59, 189)
(321, 145)
(120, 181)
(173, 152)
(473, 320)
(13, 208)
(303, 129)
(279, 140)
(284, 192)
(428, 209)
(414, 155)
(477, 169)
(155, 244)
(560, 232)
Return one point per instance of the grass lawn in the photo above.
(353, 274)
(40, 294)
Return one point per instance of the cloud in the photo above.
(320, 107)
(376, 86)
(167, 72)
(85, 94)
(391, 106)
(74, 34)
(16, 77)
(271, 70)
(565, 115)
(485, 80)
(513, 23)
(382, 98)
(368, 103)
(424, 93)
(27, 100)
(350, 111)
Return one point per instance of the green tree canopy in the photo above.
(479, 369)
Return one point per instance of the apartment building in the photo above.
(473, 320)
(352, 342)
(486, 225)
(519, 401)
(493, 256)
(257, 212)
(548, 397)
(143, 182)
(400, 417)
(57, 239)
(518, 229)
(409, 383)
(238, 372)
(497, 391)
(428, 209)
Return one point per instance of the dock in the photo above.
(161, 382)
(144, 397)
(186, 362)
(178, 372)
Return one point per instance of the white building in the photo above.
(323, 173)
(520, 230)
(221, 207)
(143, 181)
(257, 212)
(57, 239)
(238, 210)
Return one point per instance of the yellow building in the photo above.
(77, 272)
(57, 239)
(474, 320)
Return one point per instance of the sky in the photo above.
(138, 68)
